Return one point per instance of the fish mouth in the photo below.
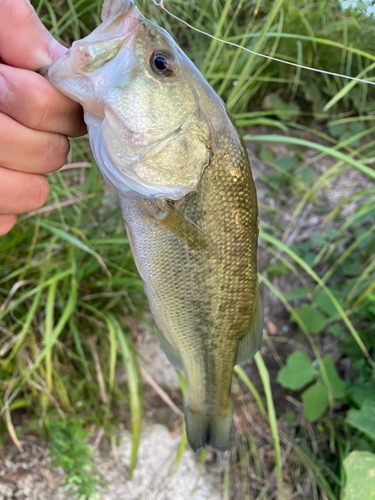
(74, 73)
(104, 43)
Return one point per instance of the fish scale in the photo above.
(203, 303)
(165, 142)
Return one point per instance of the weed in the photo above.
(70, 451)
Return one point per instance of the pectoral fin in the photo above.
(249, 344)
(185, 229)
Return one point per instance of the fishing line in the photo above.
(316, 70)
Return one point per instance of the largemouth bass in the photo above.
(166, 143)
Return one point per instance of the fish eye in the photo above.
(162, 62)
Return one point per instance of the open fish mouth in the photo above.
(74, 73)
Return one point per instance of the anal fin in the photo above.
(249, 344)
(171, 353)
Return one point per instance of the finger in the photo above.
(25, 42)
(20, 192)
(29, 99)
(29, 150)
(6, 223)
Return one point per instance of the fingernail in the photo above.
(49, 53)
(3, 89)
(56, 50)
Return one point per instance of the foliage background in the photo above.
(70, 291)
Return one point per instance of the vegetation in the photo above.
(70, 291)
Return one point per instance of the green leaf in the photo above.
(363, 419)
(282, 109)
(298, 371)
(337, 331)
(306, 176)
(359, 469)
(318, 109)
(315, 401)
(358, 393)
(313, 320)
(266, 155)
(317, 240)
(325, 303)
(336, 383)
(277, 269)
(356, 128)
(297, 293)
(289, 417)
(352, 268)
(312, 92)
(286, 163)
(336, 129)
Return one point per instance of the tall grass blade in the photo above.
(48, 332)
(264, 375)
(75, 242)
(245, 379)
(135, 392)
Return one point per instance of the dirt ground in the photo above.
(26, 476)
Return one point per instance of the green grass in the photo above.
(68, 283)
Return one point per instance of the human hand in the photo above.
(34, 117)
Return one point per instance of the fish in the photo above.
(167, 145)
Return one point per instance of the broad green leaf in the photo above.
(286, 163)
(289, 417)
(337, 385)
(298, 371)
(312, 92)
(318, 240)
(297, 293)
(306, 176)
(359, 393)
(337, 331)
(357, 128)
(359, 469)
(315, 401)
(335, 128)
(282, 109)
(313, 319)
(363, 419)
(326, 304)
(352, 268)
(266, 155)
(318, 108)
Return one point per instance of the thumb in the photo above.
(24, 41)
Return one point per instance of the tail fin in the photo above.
(203, 429)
